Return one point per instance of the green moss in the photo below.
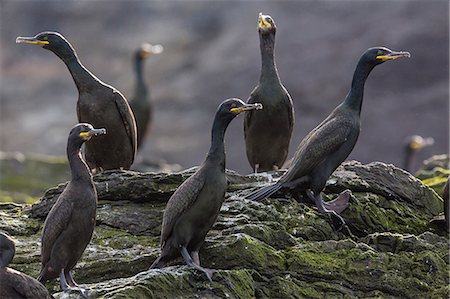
(242, 251)
(32, 174)
(404, 274)
(120, 239)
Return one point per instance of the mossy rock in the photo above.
(31, 174)
(279, 248)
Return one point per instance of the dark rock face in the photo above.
(280, 248)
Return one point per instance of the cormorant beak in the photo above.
(31, 40)
(263, 23)
(394, 55)
(418, 142)
(94, 132)
(148, 49)
(246, 107)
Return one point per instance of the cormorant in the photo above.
(329, 144)
(268, 133)
(195, 205)
(98, 104)
(70, 223)
(413, 144)
(140, 104)
(15, 284)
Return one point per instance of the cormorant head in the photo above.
(266, 25)
(83, 132)
(146, 50)
(413, 144)
(378, 55)
(49, 40)
(7, 250)
(230, 108)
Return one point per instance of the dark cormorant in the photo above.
(195, 205)
(329, 144)
(98, 104)
(140, 104)
(413, 144)
(15, 284)
(268, 133)
(70, 223)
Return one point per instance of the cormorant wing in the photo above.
(128, 119)
(179, 202)
(27, 286)
(56, 222)
(318, 145)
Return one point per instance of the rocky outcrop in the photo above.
(279, 248)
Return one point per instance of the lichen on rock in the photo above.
(279, 248)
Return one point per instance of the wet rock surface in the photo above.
(279, 248)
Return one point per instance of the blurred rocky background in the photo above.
(212, 53)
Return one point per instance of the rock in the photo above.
(280, 248)
(25, 177)
(435, 172)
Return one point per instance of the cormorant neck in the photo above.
(140, 78)
(78, 168)
(355, 97)
(268, 67)
(216, 152)
(81, 76)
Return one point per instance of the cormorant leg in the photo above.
(195, 257)
(320, 206)
(191, 263)
(340, 203)
(69, 279)
(68, 287)
(256, 168)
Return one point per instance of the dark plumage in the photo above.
(71, 221)
(15, 284)
(268, 133)
(329, 144)
(413, 144)
(194, 207)
(140, 103)
(98, 104)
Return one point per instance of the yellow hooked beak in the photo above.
(31, 40)
(246, 107)
(263, 23)
(94, 132)
(393, 55)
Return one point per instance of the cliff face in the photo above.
(279, 248)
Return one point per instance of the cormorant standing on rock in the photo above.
(98, 104)
(268, 133)
(71, 221)
(193, 208)
(413, 144)
(330, 143)
(140, 104)
(15, 284)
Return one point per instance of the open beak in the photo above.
(93, 132)
(394, 55)
(31, 40)
(263, 23)
(247, 107)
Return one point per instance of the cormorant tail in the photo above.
(264, 192)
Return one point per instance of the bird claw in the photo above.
(209, 273)
(340, 203)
